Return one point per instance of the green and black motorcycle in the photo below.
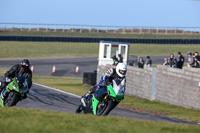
(104, 100)
(14, 91)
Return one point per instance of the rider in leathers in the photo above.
(107, 78)
(19, 70)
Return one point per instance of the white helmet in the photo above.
(122, 67)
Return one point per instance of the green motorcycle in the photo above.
(14, 92)
(104, 100)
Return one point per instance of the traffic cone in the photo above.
(77, 69)
(54, 69)
(32, 68)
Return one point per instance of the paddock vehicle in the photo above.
(14, 91)
(104, 100)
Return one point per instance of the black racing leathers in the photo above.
(18, 71)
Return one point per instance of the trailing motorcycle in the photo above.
(14, 92)
(104, 100)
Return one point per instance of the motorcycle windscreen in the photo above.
(118, 88)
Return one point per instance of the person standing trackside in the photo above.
(180, 61)
(148, 62)
(190, 59)
(172, 61)
(141, 63)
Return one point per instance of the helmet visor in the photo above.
(122, 72)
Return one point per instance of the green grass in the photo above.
(58, 49)
(33, 33)
(75, 86)
(39, 121)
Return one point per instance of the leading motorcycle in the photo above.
(104, 100)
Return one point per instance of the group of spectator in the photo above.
(148, 62)
(193, 60)
(117, 60)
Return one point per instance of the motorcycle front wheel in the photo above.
(104, 107)
(12, 99)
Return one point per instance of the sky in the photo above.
(168, 13)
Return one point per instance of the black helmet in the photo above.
(25, 64)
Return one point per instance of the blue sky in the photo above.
(103, 12)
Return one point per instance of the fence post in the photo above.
(166, 32)
(192, 30)
(63, 28)
(157, 30)
(5, 26)
(140, 30)
(175, 30)
(153, 87)
(80, 29)
(132, 30)
(183, 30)
(12, 27)
(38, 29)
(55, 28)
(47, 28)
(106, 29)
(124, 30)
(90, 29)
(149, 30)
(29, 27)
(72, 28)
(21, 27)
(97, 29)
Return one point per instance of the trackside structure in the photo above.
(107, 50)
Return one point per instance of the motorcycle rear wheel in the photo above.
(11, 99)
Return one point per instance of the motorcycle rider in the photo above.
(119, 72)
(19, 70)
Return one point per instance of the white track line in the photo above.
(58, 90)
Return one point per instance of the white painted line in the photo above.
(58, 90)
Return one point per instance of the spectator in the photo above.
(165, 63)
(180, 61)
(148, 61)
(120, 59)
(196, 60)
(141, 63)
(190, 59)
(172, 61)
(115, 61)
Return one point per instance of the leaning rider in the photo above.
(107, 78)
(19, 70)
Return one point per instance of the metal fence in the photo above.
(33, 27)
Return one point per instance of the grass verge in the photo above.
(33, 121)
(11, 49)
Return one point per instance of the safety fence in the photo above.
(97, 28)
(97, 39)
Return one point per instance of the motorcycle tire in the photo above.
(79, 109)
(108, 108)
(11, 99)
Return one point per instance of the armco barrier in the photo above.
(170, 85)
(97, 39)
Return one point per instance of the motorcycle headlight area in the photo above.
(15, 87)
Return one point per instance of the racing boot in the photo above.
(83, 98)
